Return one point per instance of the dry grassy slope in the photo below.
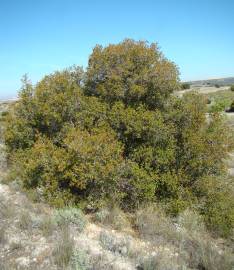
(25, 246)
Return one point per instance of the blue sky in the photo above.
(38, 37)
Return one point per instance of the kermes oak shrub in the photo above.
(115, 133)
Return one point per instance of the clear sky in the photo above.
(40, 36)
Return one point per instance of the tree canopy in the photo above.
(132, 72)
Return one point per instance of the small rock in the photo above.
(23, 261)
(124, 250)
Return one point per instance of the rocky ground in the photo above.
(31, 238)
(35, 236)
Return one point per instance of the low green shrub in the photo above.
(217, 206)
(72, 216)
(108, 241)
(117, 245)
(219, 106)
(208, 100)
(185, 86)
(80, 261)
(102, 215)
(86, 164)
(4, 115)
(231, 107)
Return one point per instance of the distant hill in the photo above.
(212, 82)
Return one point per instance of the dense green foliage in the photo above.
(131, 72)
(220, 100)
(185, 86)
(232, 88)
(232, 107)
(116, 133)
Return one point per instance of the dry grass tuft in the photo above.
(7, 209)
(47, 225)
(153, 225)
(25, 220)
(113, 217)
(3, 236)
(64, 248)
